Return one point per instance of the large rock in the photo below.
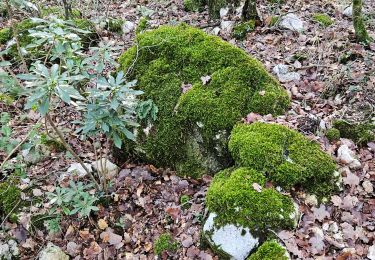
(196, 116)
(286, 156)
(52, 252)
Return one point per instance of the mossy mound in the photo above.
(285, 156)
(5, 35)
(323, 19)
(240, 198)
(164, 243)
(270, 250)
(196, 117)
(360, 133)
(333, 134)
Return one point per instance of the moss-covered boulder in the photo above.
(361, 133)
(270, 250)
(202, 87)
(285, 156)
(243, 211)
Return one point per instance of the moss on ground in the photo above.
(10, 195)
(115, 25)
(323, 19)
(193, 5)
(333, 134)
(5, 35)
(193, 123)
(164, 243)
(360, 133)
(236, 195)
(285, 156)
(242, 29)
(270, 250)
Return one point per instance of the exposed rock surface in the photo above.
(292, 22)
(52, 252)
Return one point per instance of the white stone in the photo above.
(76, 168)
(345, 155)
(227, 26)
(236, 242)
(282, 72)
(52, 252)
(367, 186)
(215, 31)
(224, 12)
(127, 27)
(291, 22)
(348, 11)
(311, 200)
(371, 252)
(109, 169)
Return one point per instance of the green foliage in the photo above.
(114, 25)
(10, 196)
(233, 195)
(270, 250)
(323, 19)
(7, 143)
(333, 134)
(5, 35)
(193, 5)
(164, 243)
(360, 133)
(173, 56)
(242, 29)
(53, 225)
(185, 201)
(59, 12)
(285, 156)
(274, 21)
(142, 25)
(74, 199)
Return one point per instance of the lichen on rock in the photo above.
(285, 156)
(196, 117)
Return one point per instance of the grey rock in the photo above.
(283, 74)
(52, 252)
(76, 168)
(292, 22)
(106, 167)
(128, 27)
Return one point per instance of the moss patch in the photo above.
(360, 133)
(9, 196)
(242, 29)
(194, 118)
(5, 35)
(232, 194)
(114, 25)
(193, 5)
(333, 134)
(323, 19)
(283, 155)
(164, 243)
(270, 250)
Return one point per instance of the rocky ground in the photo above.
(328, 76)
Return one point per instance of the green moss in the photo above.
(242, 29)
(142, 25)
(115, 25)
(232, 194)
(164, 243)
(193, 5)
(10, 195)
(5, 35)
(323, 19)
(184, 201)
(192, 126)
(214, 7)
(333, 134)
(283, 155)
(270, 250)
(360, 133)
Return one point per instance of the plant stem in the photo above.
(69, 148)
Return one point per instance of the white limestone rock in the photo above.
(76, 168)
(52, 252)
(347, 156)
(227, 26)
(292, 22)
(106, 167)
(282, 72)
(128, 27)
(371, 252)
(235, 242)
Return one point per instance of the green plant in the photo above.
(164, 243)
(53, 225)
(242, 29)
(142, 25)
(7, 143)
(73, 199)
(322, 19)
(10, 196)
(361, 133)
(185, 201)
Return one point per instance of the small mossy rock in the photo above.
(287, 157)
(360, 133)
(229, 241)
(239, 197)
(52, 252)
(323, 19)
(193, 5)
(165, 242)
(270, 250)
(196, 117)
(242, 29)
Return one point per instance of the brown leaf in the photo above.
(320, 213)
(93, 250)
(174, 212)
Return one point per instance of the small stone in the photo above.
(371, 252)
(71, 248)
(292, 22)
(348, 11)
(37, 192)
(106, 167)
(367, 186)
(227, 26)
(282, 72)
(127, 27)
(52, 252)
(345, 155)
(224, 12)
(215, 31)
(76, 168)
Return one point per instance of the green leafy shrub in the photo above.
(323, 19)
(333, 134)
(360, 133)
(285, 156)
(232, 194)
(59, 12)
(270, 250)
(169, 64)
(164, 243)
(242, 29)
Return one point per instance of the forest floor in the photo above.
(337, 81)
